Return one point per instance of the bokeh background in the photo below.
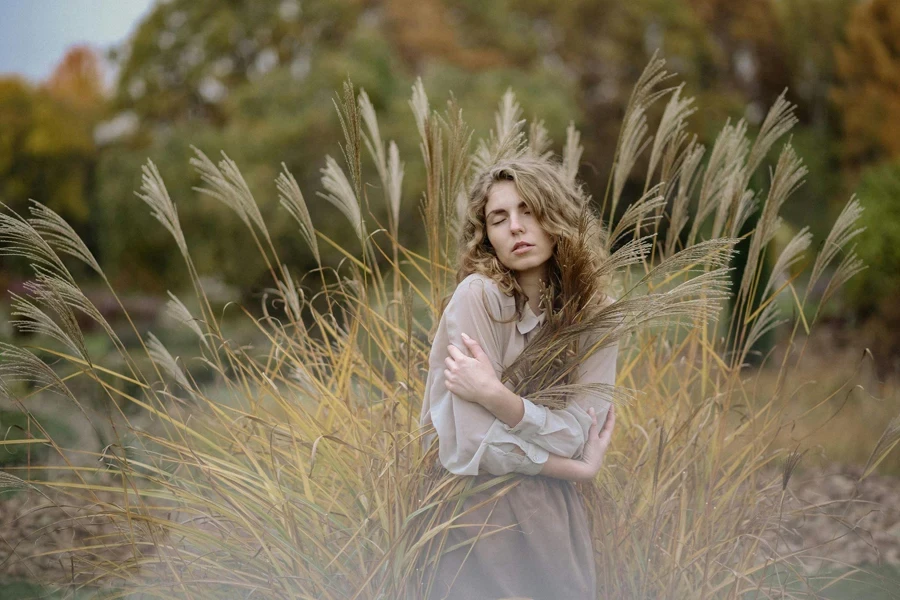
(90, 89)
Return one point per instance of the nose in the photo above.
(515, 223)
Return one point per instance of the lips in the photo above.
(521, 245)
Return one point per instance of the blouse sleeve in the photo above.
(563, 431)
(470, 438)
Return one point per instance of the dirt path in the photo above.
(854, 523)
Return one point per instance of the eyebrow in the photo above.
(501, 210)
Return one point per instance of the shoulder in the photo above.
(480, 290)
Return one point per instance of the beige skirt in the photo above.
(535, 542)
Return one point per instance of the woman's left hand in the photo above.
(473, 377)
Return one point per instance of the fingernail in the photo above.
(465, 336)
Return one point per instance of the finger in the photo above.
(609, 425)
(594, 429)
(455, 352)
(472, 344)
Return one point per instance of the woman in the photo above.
(534, 540)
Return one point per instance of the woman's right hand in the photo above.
(597, 442)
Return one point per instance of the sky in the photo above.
(35, 34)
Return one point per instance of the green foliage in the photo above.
(879, 189)
(280, 118)
(46, 151)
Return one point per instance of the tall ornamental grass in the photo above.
(296, 468)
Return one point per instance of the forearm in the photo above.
(505, 405)
(567, 469)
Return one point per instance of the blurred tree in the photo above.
(286, 116)
(47, 150)
(816, 27)
(875, 294)
(868, 90)
(78, 80)
(188, 55)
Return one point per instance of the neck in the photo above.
(530, 282)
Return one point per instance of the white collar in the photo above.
(529, 320)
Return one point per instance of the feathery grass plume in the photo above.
(687, 183)
(60, 235)
(791, 462)
(227, 185)
(841, 233)
(725, 160)
(643, 211)
(164, 359)
(178, 312)
(347, 108)
(291, 198)
(670, 135)
(33, 320)
(455, 168)
(20, 238)
(291, 297)
(388, 165)
(340, 193)
(571, 155)
(779, 120)
(507, 138)
(539, 142)
(790, 256)
(22, 365)
(633, 136)
(154, 193)
(886, 443)
(788, 176)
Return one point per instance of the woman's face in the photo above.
(510, 225)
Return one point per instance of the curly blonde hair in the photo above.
(559, 204)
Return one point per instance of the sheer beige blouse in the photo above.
(471, 440)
